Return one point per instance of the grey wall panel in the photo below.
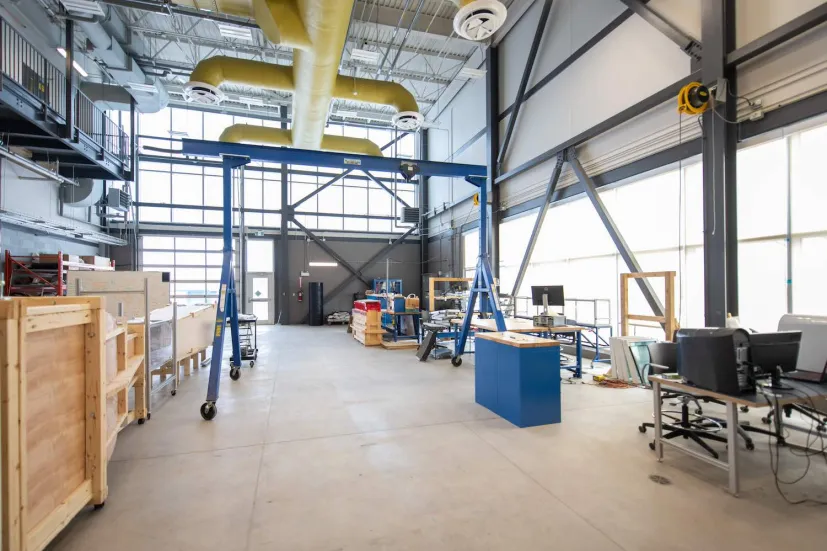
(755, 18)
(405, 265)
(602, 83)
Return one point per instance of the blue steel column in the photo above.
(226, 305)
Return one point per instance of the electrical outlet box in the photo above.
(721, 89)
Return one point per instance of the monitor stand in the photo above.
(545, 304)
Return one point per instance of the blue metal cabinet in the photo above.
(520, 384)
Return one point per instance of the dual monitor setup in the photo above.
(734, 361)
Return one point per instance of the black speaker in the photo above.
(316, 302)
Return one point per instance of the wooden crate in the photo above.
(121, 287)
(53, 414)
(368, 338)
(371, 319)
(128, 373)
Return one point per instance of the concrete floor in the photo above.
(326, 445)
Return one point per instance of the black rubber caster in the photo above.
(456, 361)
(209, 411)
(235, 373)
(148, 416)
(820, 428)
(252, 363)
(642, 429)
(765, 420)
(173, 392)
(99, 506)
(750, 445)
(652, 446)
(141, 421)
(744, 409)
(699, 411)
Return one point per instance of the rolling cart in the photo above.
(248, 337)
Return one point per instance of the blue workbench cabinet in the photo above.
(518, 377)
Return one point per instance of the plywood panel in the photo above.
(56, 428)
(114, 286)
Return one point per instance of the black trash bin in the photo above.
(315, 302)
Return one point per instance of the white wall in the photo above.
(631, 63)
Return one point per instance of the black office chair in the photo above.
(693, 426)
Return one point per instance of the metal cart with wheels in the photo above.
(248, 337)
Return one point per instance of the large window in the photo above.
(782, 253)
(194, 265)
(177, 191)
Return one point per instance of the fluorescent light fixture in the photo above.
(75, 64)
(140, 87)
(85, 7)
(366, 56)
(346, 113)
(324, 264)
(250, 101)
(469, 73)
(231, 31)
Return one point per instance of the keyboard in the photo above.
(806, 376)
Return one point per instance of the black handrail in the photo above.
(23, 64)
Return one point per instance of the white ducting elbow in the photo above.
(477, 20)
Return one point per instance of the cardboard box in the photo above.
(97, 260)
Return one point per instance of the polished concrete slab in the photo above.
(327, 445)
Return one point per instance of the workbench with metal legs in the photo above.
(797, 392)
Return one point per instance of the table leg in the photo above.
(732, 446)
(579, 354)
(658, 420)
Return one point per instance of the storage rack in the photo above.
(431, 293)
(378, 286)
(45, 274)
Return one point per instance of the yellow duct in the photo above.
(317, 30)
(264, 135)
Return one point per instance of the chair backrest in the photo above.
(665, 354)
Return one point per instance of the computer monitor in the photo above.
(712, 358)
(770, 352)
(554, 295)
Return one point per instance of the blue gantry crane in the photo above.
(235, 155)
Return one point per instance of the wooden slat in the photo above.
(124, 378)
(640, 317)
(115, 332)
(57, 320)
(55, 309)
(518, 340)
(96, 456)
(624, 304)
(10, 429)
(639, 275)
(48, 528)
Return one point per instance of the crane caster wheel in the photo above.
(820, 428)
(235, 373)
(642, 429)
(252, 363)
(750, 445)
(209, 411)
(173, 392)
(99, 506)
(744, 409)
(456, 361)
(765, 420)
(699, 411)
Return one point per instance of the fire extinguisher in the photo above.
(301, 292)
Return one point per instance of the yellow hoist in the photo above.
(693, 99)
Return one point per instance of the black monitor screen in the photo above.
(553, 292)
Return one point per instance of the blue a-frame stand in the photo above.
(482, 286)
(234, 155)
(227, 299)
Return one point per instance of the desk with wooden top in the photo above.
(517, 325)
(798, 393)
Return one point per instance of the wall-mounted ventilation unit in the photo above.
(117, 200)
(409, 215)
